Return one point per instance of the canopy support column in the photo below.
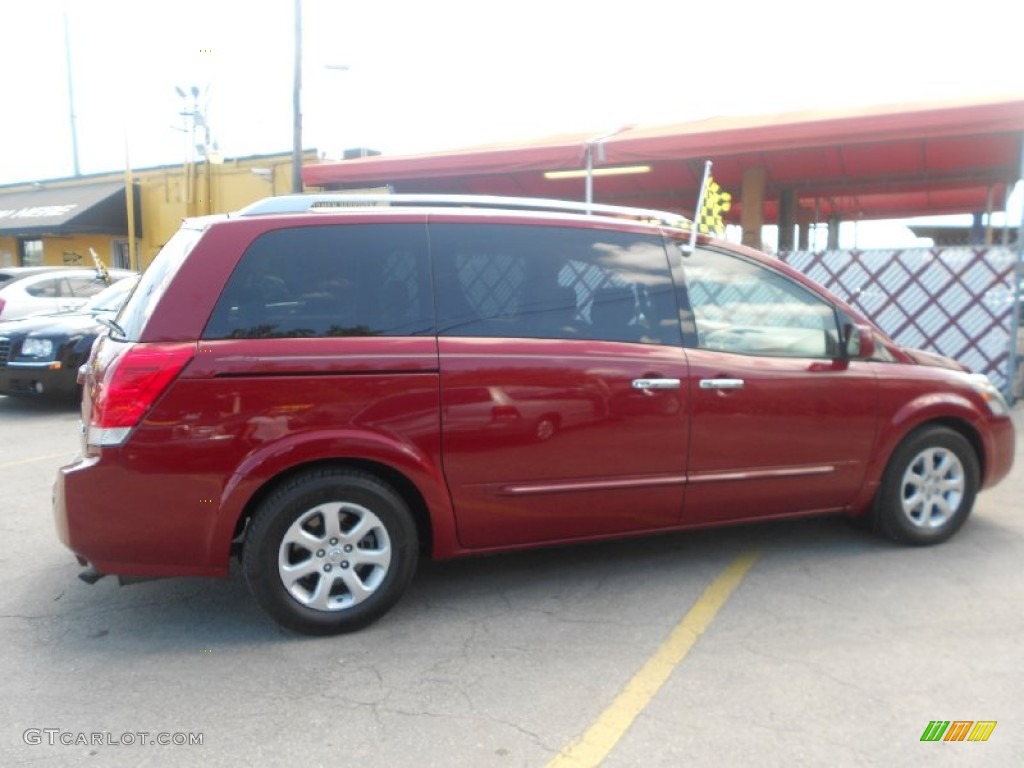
(833, 233)
(787, 218)
(804, 220)
(752, 201)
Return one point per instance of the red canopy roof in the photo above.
(881, 162)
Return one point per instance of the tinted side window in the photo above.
(355, 280)
(85, 286)
(740, 306)
(44, 289)
(504, 280)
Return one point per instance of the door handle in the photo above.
(721, 383)
(649, 384)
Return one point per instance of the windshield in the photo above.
(112, 298)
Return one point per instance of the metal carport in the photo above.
(866, 163)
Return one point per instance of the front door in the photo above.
(780, 422)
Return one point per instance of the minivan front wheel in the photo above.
(330, 551)
(928, 488)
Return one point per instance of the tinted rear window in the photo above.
(352, 280)
(154, 282)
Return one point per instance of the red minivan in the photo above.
(330, 388)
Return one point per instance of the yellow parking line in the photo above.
(6, 465)
(599, 740)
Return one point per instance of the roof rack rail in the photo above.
(325, 202)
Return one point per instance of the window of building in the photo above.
(120, 254)
(31, 253)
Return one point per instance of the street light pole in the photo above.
(297, 104)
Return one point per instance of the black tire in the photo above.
(928, 488)
(330, 551)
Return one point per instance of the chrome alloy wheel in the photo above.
(334, 556)
(933, 487)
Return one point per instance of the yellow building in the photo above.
(56, 222)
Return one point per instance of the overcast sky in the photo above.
(436, 74)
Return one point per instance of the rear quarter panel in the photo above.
(213, 441)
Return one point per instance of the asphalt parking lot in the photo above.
(828, 647)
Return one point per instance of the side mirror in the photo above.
(860, 341)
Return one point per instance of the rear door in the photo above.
(781, 423)
(563, 412)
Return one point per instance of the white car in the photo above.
(34, 290)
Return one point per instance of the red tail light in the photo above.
(2, 305)
(130, 378)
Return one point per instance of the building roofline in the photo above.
(102, 176)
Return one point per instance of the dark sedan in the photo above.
(40, 355)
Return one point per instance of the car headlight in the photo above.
(993, 397)
(40, 348)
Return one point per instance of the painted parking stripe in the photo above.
(18, 463)
(599, 740)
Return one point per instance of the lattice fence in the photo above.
(954, 301)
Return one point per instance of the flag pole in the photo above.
(700, 206)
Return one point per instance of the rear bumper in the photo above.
(111, 522)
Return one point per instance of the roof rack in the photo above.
(325, 203)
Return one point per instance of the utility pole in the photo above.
(192, 120)
(297, 104)
(71, 95)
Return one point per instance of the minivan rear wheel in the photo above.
(330, 551)
(928, 488)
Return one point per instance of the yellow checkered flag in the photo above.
(716, 202)
(101, 268)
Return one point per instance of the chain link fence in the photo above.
(959, 302)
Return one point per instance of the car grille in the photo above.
(5, 352)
